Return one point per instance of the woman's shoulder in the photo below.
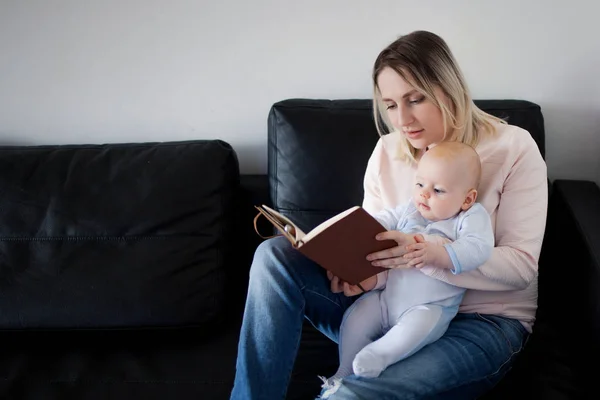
(508, 133)
(508, 142)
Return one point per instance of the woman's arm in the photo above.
(520, 224)
(372, 202)
(372, 198)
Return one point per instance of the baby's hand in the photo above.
(427, 253)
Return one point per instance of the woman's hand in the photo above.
(338, 286)
(393, 257)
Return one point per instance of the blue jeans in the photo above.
(285, 287)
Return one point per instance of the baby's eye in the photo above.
(419, 185)
(438, 191)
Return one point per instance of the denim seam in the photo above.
(513, 353)
(501, 330)
(304, 289)
(478, 379)
(516, 324)
(492, 374)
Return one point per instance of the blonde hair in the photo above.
(425, 61)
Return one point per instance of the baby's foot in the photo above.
(368, 364)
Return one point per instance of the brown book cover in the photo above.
(339, 244)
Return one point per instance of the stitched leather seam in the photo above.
(78, 238)
(120, 381)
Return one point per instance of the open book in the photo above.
(339, 244)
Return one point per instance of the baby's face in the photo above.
(440, 189)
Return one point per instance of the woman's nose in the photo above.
(405, 117)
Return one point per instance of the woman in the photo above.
(422, 98)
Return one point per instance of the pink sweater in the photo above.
(513, 190)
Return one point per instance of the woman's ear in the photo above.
(469, 199)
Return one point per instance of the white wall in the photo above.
(85, 71)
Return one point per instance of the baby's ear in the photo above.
(469, 199)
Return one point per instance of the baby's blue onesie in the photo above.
(412, 309)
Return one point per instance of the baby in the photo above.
(408, 309)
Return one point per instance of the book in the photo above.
(340, 244)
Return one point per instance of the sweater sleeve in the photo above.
(474, 242)
(520, 223)
(372, 201)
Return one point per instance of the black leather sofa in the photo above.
(123, 267)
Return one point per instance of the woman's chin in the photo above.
(419, 144)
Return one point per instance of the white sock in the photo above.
(368, 364)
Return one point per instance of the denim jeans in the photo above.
(285, 287)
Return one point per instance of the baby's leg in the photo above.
(417, 327)
(361, 325)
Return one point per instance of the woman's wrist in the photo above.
(368, 284)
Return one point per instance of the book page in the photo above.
(298, 234)
(325, 224)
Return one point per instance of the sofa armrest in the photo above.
(569, 282)
(567, 329)
(580, 203)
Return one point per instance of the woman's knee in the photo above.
(271, 247)
(270, 257)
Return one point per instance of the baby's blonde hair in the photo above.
(462, 157)
(425, 61)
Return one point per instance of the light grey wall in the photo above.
(91, 71)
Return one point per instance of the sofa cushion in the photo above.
(116, 235)
(318, 151)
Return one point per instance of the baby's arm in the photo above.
(473, 246)
(391, 217)
(475, 240)
(429, 250)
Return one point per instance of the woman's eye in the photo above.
(416, 101)
(390, 106)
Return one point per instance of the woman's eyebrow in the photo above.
(405, 95)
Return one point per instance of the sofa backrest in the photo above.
(116, 235)
(318, 151)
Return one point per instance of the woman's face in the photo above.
(409, 111)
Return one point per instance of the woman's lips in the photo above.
(413, 134)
